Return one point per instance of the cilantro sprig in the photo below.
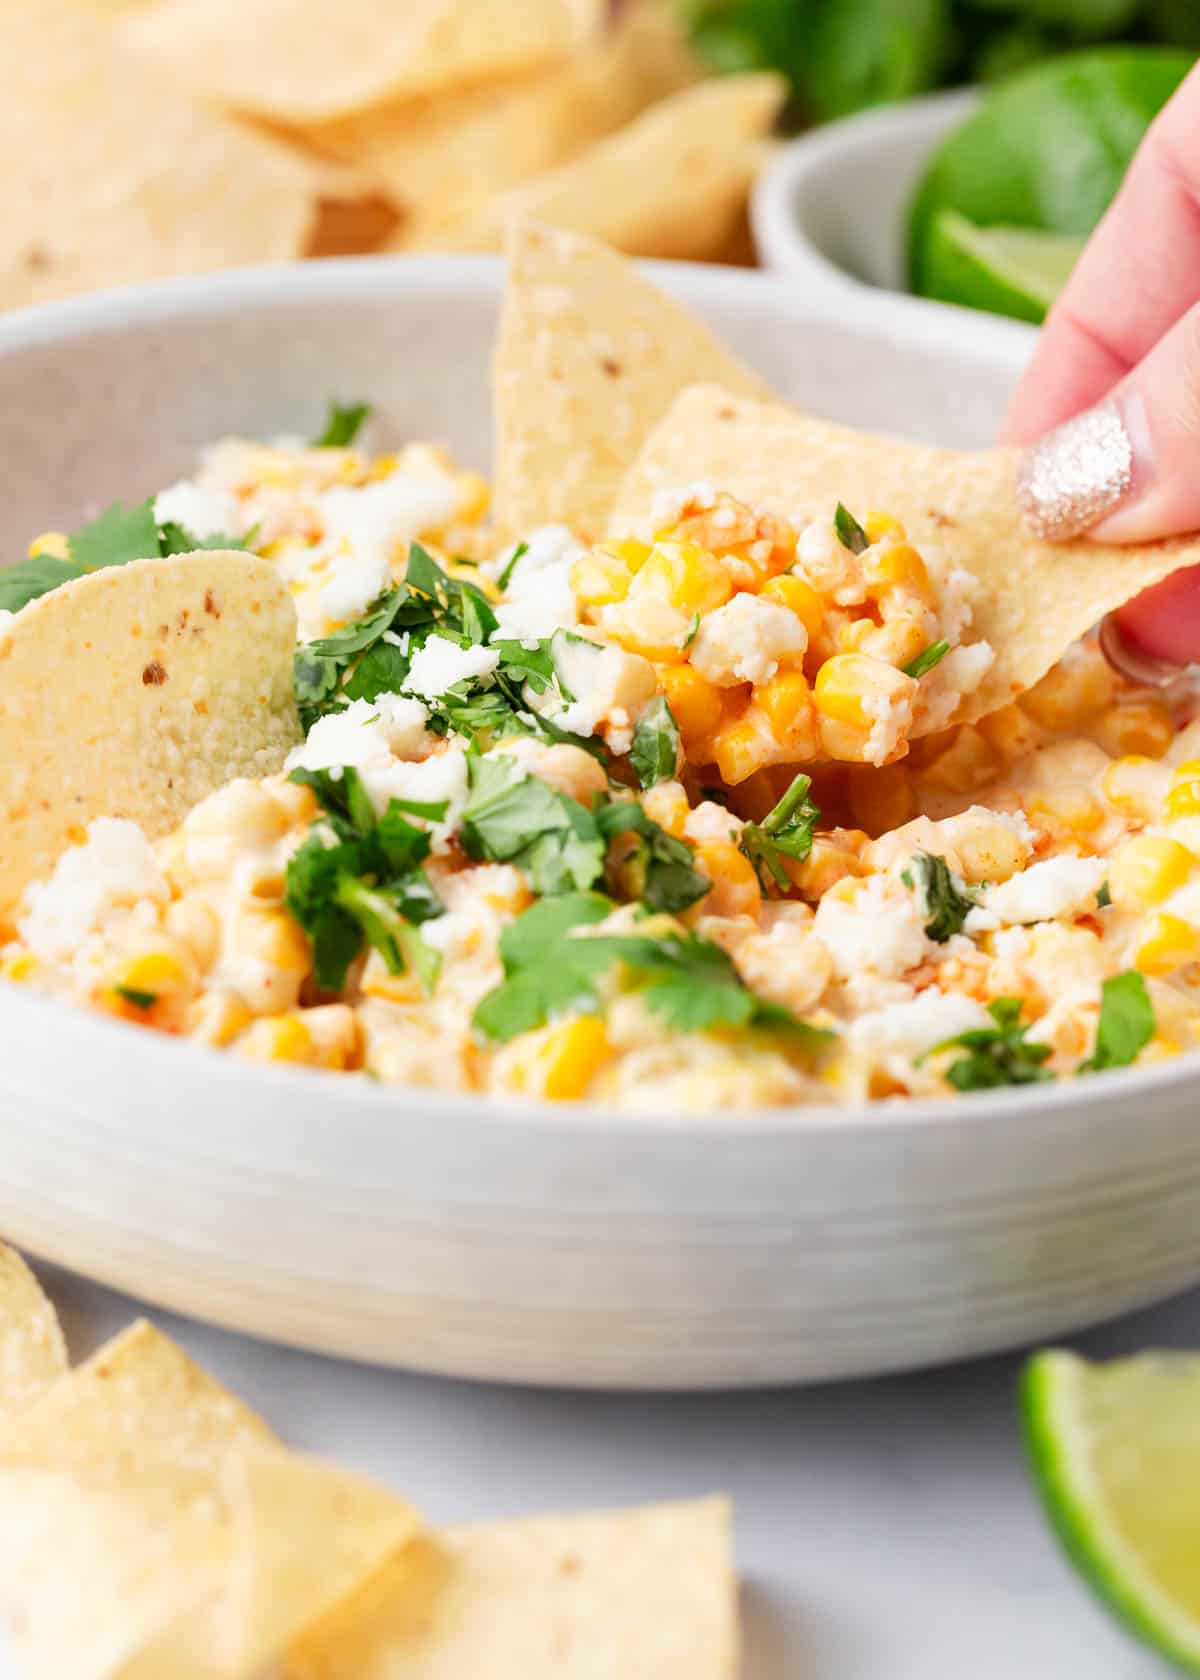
(342, 425)
(995, 1056)
(655, 751)
(785, 832)
(114, 538)
(357, 880)
(554, 965)
(942, 898)
(849, 532)
(657, 869)
(512, 817)
(927, 659)
(1126, 1023)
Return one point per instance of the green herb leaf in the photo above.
(663, 873)
(1103, 896)
(849, 532)
(995, 1056)
(942, 898)
(30, 579)
(1126, 1023)
(785, 832)
(119, 535)
(514, 560)
(515, 818)
(655, 751)
(174, 538)
(932, 655)
(342, 425)
(692, 633)
(139, 1000)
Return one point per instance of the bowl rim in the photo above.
(333, 280)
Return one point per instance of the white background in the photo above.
(885, 1530)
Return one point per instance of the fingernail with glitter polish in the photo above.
(1077, 474)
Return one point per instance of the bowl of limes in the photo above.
(979, 200)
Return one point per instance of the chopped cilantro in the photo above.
(925, 661)
(514, 560)
(174, 538)
(785, 832)
(30, 579)
(342, 425)
(942, 898)
(139, 999)
(553, 966)
(358, 878)
(658, 871)
(849, 532)
(119, 535)
(1103, 896)
(995, 1056)
(1126, 1023)
(655, 751)
(693, 630)
(512, 817)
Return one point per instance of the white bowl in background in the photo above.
(553, 1245)
(831, 209)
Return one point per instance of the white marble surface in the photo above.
(885, 1530)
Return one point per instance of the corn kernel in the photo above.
(882, 799)
(1171, 943)
(1142, 727)
(685, 575)
(18, 966)
(743, 745)
(666, 804)
(277, 1038)
(897, 565)
(561, 1061)
(787, 703)
(601, 577)
(1011, 732)
(1160, 1049)
(1072, 693)
(157, 973)
(967, 764)
(196, 925)
(56, 545)
(831, 861)
(879, 525)
(1065, 810)
(273, 937)
(1148, 869)
(696, 705)
(735, 890)
(799, 596)
(1135, 786)
(474, 495)
(217, 1018)
(1183, 797)
(848, 680)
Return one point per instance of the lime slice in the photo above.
(1115, 1451)
(1009, 270)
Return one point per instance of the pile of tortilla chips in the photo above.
(155, 137)
(153, 1528)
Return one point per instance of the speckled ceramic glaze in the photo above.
(552, 1245)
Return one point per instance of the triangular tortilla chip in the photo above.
(135, 691)
(672, 183)
(298, 63)
(641, 1594)
(589, 357)
(125, 178)
(32, 1351)
(442, 158)
(1037, 598)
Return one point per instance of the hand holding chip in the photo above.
(1110, 405)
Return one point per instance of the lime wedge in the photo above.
(1115, 1451)
(1009, 270)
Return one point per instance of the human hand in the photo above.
(1110, 403)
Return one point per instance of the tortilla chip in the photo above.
(443, 157)
(297, 62)
(1036, 597)
(135, 691)
(32, 1351)
(305, 1535)
(123, 178)
(672, 183)
(588, 358)
(641, 1594)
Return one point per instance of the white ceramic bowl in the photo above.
(831, 209)
(551, 1245)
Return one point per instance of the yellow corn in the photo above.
(1183, 797)
(217, 1018)
(799, 596)
(667, 805)
(1148, 869)
(879, 525)
(55, 544)
(273, 937)
(735, 890)
(897, 641)
(897, 565)
(383, 466)
(787, 703)
(1169, 944)
(1141, 726)
(475, 493)
(743, 745)
(685, 575)
(1011, 732)
(1160, 1049)
(882, 799)
(1073, 692)
(1134, 786)
(603, 576)
(195, 924)
(560, 1061)
(277, 1038)
(696, 705)
(848, 680)
(1065, 810)
(156, 973)
(967, 764)
(379, 982)
(18, 966)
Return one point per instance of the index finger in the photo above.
(1139, 273)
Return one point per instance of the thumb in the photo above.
(1127, 470)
